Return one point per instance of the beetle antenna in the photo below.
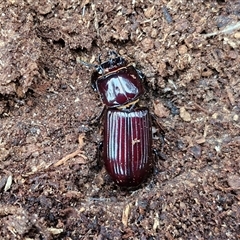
(87, 64)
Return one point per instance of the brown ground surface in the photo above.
(51, 185)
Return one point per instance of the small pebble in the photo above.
(185, 115)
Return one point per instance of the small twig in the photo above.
(78, 152)
(226, 189)
(69, 156)
(201, 108)
(228, 29)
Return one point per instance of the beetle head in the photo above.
(114, 62)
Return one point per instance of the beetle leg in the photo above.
(133, 105)
(141, 74)
(99, 155)
(159, 154)
(96, 119)
(161, 136)
(93, 81)
(99, 59)
(162, 132)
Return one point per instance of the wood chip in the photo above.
(237, 35)
(55, 231)
(156, 222)
(125, 215)
(8, 183)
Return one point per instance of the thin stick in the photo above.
(228, 29)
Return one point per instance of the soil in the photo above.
(53, 185)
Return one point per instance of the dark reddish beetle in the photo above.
(127, 130)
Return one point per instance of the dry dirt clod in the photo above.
(160, 110)
(185, 115)
(234, 181)
(150, 12)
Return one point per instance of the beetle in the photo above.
(127, 133)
